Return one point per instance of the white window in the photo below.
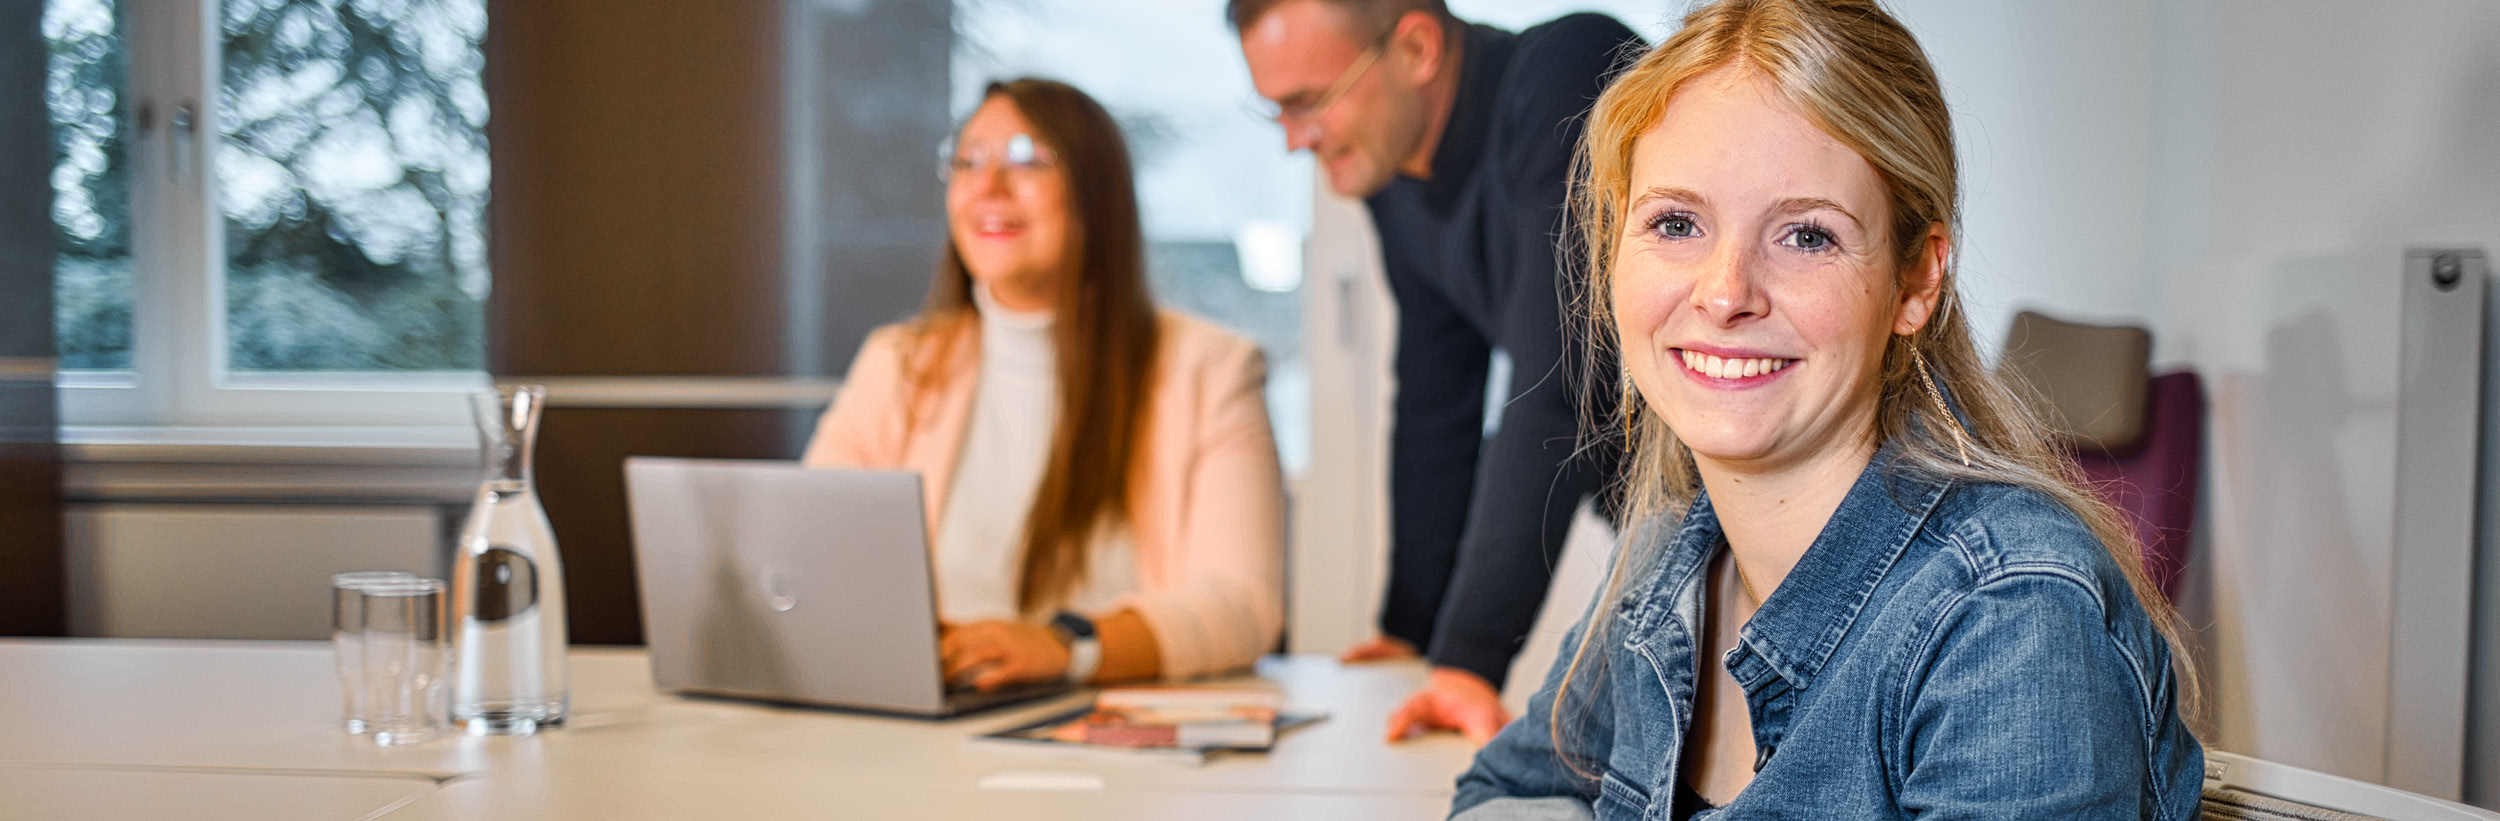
(1225, 208)
(270, 212)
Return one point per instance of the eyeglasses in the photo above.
(1302, 113)
(1019, 155)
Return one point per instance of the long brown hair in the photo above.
(1104, 329)
(1859, 76)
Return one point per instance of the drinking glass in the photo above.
(405, 656)
(347, 644)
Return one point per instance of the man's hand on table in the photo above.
(1452, 699)
(1379, 648)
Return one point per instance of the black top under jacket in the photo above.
(1473, 257)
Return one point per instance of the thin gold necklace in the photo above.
(1742, 579)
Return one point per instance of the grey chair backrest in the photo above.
(2090, 379)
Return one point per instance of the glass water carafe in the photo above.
(507, 586)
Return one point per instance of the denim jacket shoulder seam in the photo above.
(1898, 701)
(1976, 544)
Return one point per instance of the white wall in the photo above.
(2243, 176)
(2054, 115)
(1339, 546)
(232, 571)
(2337, 138)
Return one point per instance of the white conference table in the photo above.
(110, 728)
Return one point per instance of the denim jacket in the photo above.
(1943, 650)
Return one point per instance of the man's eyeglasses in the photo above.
(1300, 113)
(1019, 154)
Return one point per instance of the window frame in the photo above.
(178, 376)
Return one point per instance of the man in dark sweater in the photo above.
(1459, 138)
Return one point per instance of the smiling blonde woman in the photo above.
(1860, 583)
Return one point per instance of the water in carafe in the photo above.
(507, 583)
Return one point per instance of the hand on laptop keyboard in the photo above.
(990, 655)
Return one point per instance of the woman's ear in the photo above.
(1922, 285)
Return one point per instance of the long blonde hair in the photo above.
(1859, 76)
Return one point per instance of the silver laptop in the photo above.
(766, 580)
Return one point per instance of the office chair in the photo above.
(2138, 438)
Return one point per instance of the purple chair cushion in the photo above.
(2154, 482)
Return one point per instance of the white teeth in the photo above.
(1722, 368)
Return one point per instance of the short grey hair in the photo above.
(1375, 18)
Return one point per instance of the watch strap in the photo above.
(1084, 644)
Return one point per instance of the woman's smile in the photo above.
(995, 228)
(1729, 368)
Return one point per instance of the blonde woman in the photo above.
(1859, 584)
(1101, 482)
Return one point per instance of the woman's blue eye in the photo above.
(1674, 225)
(1810, 238)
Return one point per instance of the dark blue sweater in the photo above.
(1472, 255)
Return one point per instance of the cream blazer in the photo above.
(1207, 521)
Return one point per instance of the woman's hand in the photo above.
(993, 654)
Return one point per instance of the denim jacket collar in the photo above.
(1796, 629)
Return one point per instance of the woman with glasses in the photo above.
(1101, 483)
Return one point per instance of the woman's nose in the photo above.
(1727, 291)
(983, 179)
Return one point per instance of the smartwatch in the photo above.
(1084, 645)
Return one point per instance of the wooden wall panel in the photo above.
(636, 220)
(32, 593)
(636, 230)
(639, 225)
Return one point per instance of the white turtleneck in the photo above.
(980, 538)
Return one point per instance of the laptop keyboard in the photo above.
(960, 700)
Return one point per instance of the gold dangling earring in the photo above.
(1918, 360)
(1629, 397)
